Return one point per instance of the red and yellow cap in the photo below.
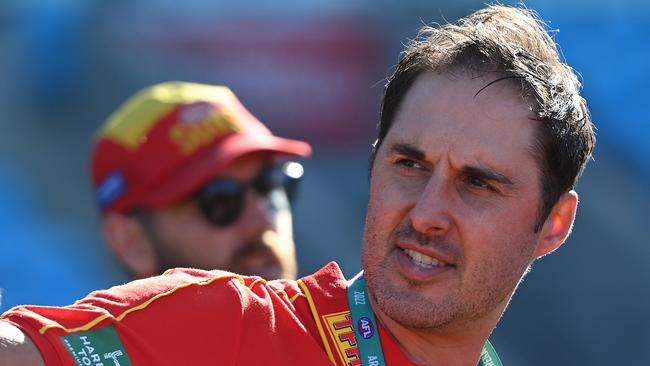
(170, 139)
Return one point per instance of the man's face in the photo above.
(453, 201)
(259, 242)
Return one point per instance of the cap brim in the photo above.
(203, 167)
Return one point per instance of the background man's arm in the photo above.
(16, 349)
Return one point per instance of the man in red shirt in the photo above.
(483, 135)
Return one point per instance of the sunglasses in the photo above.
(222, 200)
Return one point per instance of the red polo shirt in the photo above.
(193, 317)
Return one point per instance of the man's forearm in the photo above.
(16, 349)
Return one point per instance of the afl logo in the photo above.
(365, 328)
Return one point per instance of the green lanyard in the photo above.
(366, 333)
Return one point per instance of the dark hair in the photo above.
(514, 43)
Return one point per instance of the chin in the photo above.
(426, 315)
(409, 307)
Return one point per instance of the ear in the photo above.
(129, 241)
(558, 224)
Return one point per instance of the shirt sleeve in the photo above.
(182, 317)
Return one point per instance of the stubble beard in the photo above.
(408, 303)
(277, 249)
(407, 307)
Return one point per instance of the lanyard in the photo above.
(366, 333)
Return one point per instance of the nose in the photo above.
(258, 214)
(431, 214)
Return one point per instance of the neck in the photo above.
(448, 346)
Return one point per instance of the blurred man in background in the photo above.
(185, 176)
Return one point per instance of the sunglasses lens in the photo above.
(284, 176)
(221, 201)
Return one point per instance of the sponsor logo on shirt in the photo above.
(340, 328)
(99, 347)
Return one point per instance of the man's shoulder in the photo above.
(325, 293)
(325, 287)
(174, 283)
(327, 279)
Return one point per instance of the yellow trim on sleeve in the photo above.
(256, 282)
(314, 313)
(292, 299)
(145, 304)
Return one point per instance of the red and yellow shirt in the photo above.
(194, 317)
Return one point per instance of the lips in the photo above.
(423, 263)
(424, 260)
(438, 253)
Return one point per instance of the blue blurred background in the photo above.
(315, 70)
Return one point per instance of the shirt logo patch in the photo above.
(340, 329)
(99, 347)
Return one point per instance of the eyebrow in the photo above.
(486, 174)
(477, 171)
(408, 150)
